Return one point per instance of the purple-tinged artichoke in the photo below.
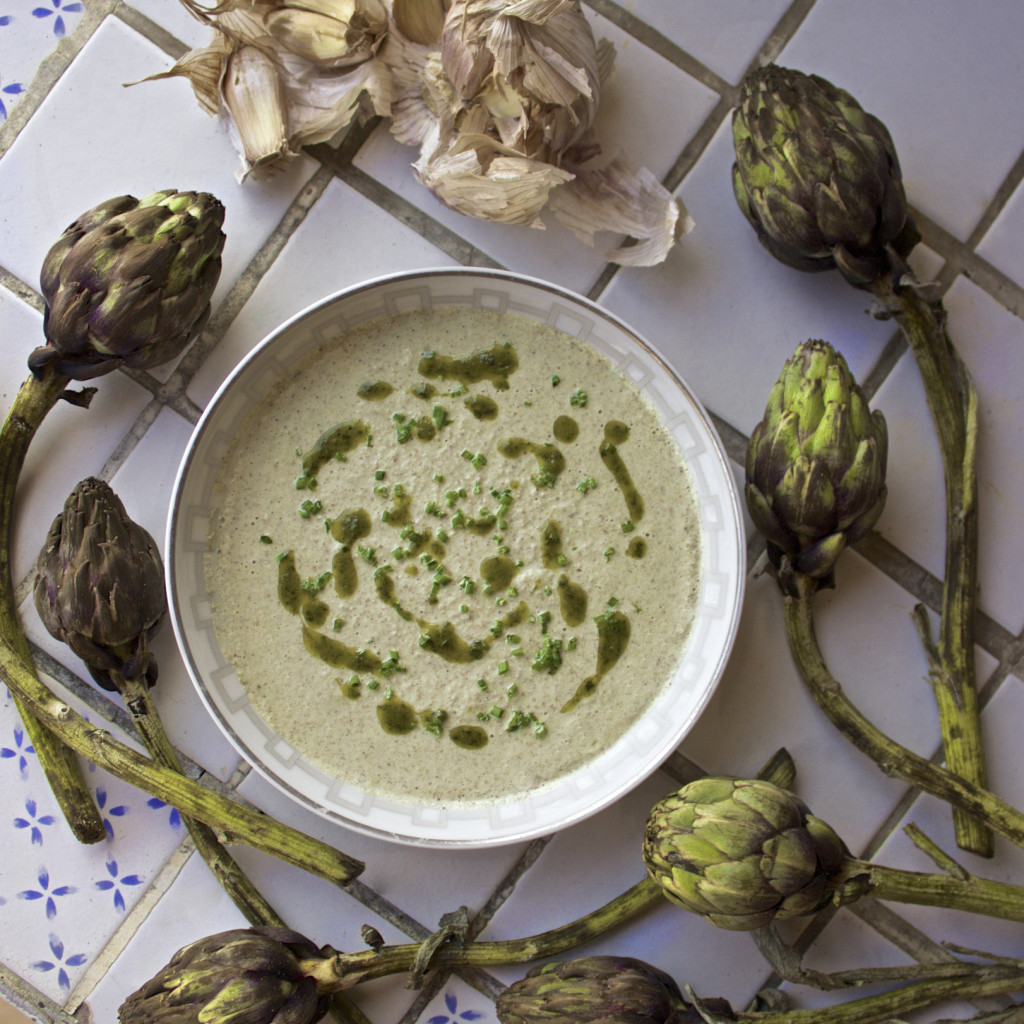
(596, 990)
(818, 178)
(741, 852)
(129, 283)
(99, 585)
(242, 976)
(816, 463)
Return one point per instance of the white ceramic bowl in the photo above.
(637, 753)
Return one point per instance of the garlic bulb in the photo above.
(286, 73)
(499, 96)
(502, 107)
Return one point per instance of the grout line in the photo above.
(694, 149)
(150, 30)
(247, 282)
(20, 289)
(127, 930)
(917, 581)
(912, 941)
(994, 282)
(653, 40)
(384, 908)
(1009, 185)
(507, 885)
(405, 212)
(27, 998)
(51, 69)
(782, 33)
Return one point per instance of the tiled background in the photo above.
(81, 927)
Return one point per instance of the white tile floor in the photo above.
(82, 927)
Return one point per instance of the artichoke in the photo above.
(129, 283)
(605, 989)
(741, 852)
(99, 585)
(815, 474)
(250, 975)
(818, 177)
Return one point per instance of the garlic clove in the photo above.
(420, 21)
(254, 98)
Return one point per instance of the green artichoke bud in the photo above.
(818, 177)
(242, 976)
(741, 852)
(99, 585)
(129, 283)
(815, 474)
(605, 989)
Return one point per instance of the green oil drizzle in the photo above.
(396, 717)
(612, 640)
(566, 429)
(551, 545)
(351, 690)
(572, 601)
(469, 737)
(498, 571)
(493, 364)
(332, 444)
(353, 524)
(339, 655)
(374, 391)
(637, 548)
(482, 407)
(550, 460)
(615, 433)
(398, 514)
(442, 639)
(294, 596)
(384, 584)
(343, 569)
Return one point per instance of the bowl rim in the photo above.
(730, 499)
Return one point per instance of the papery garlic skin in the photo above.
(539, 56)
(499, 96)
(287, 73)
(503, 111)
(328, 33)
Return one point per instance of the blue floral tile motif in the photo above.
(114, 883)
(34, 822)
(47, 894)
(60, 962)
(173, 816)
(57, 10)
(21, 746)
(454, 1014)
(116, 811)
(8, 90)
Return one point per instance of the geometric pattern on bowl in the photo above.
(599, 782)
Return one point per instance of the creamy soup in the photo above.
(454, 556)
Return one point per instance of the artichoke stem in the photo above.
(354, 968)
(895, 1004)
(36, 397)
(952, 402)
(232, 820)
(892, 758)
(973, 895)
(348, 969)
(139, 701)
